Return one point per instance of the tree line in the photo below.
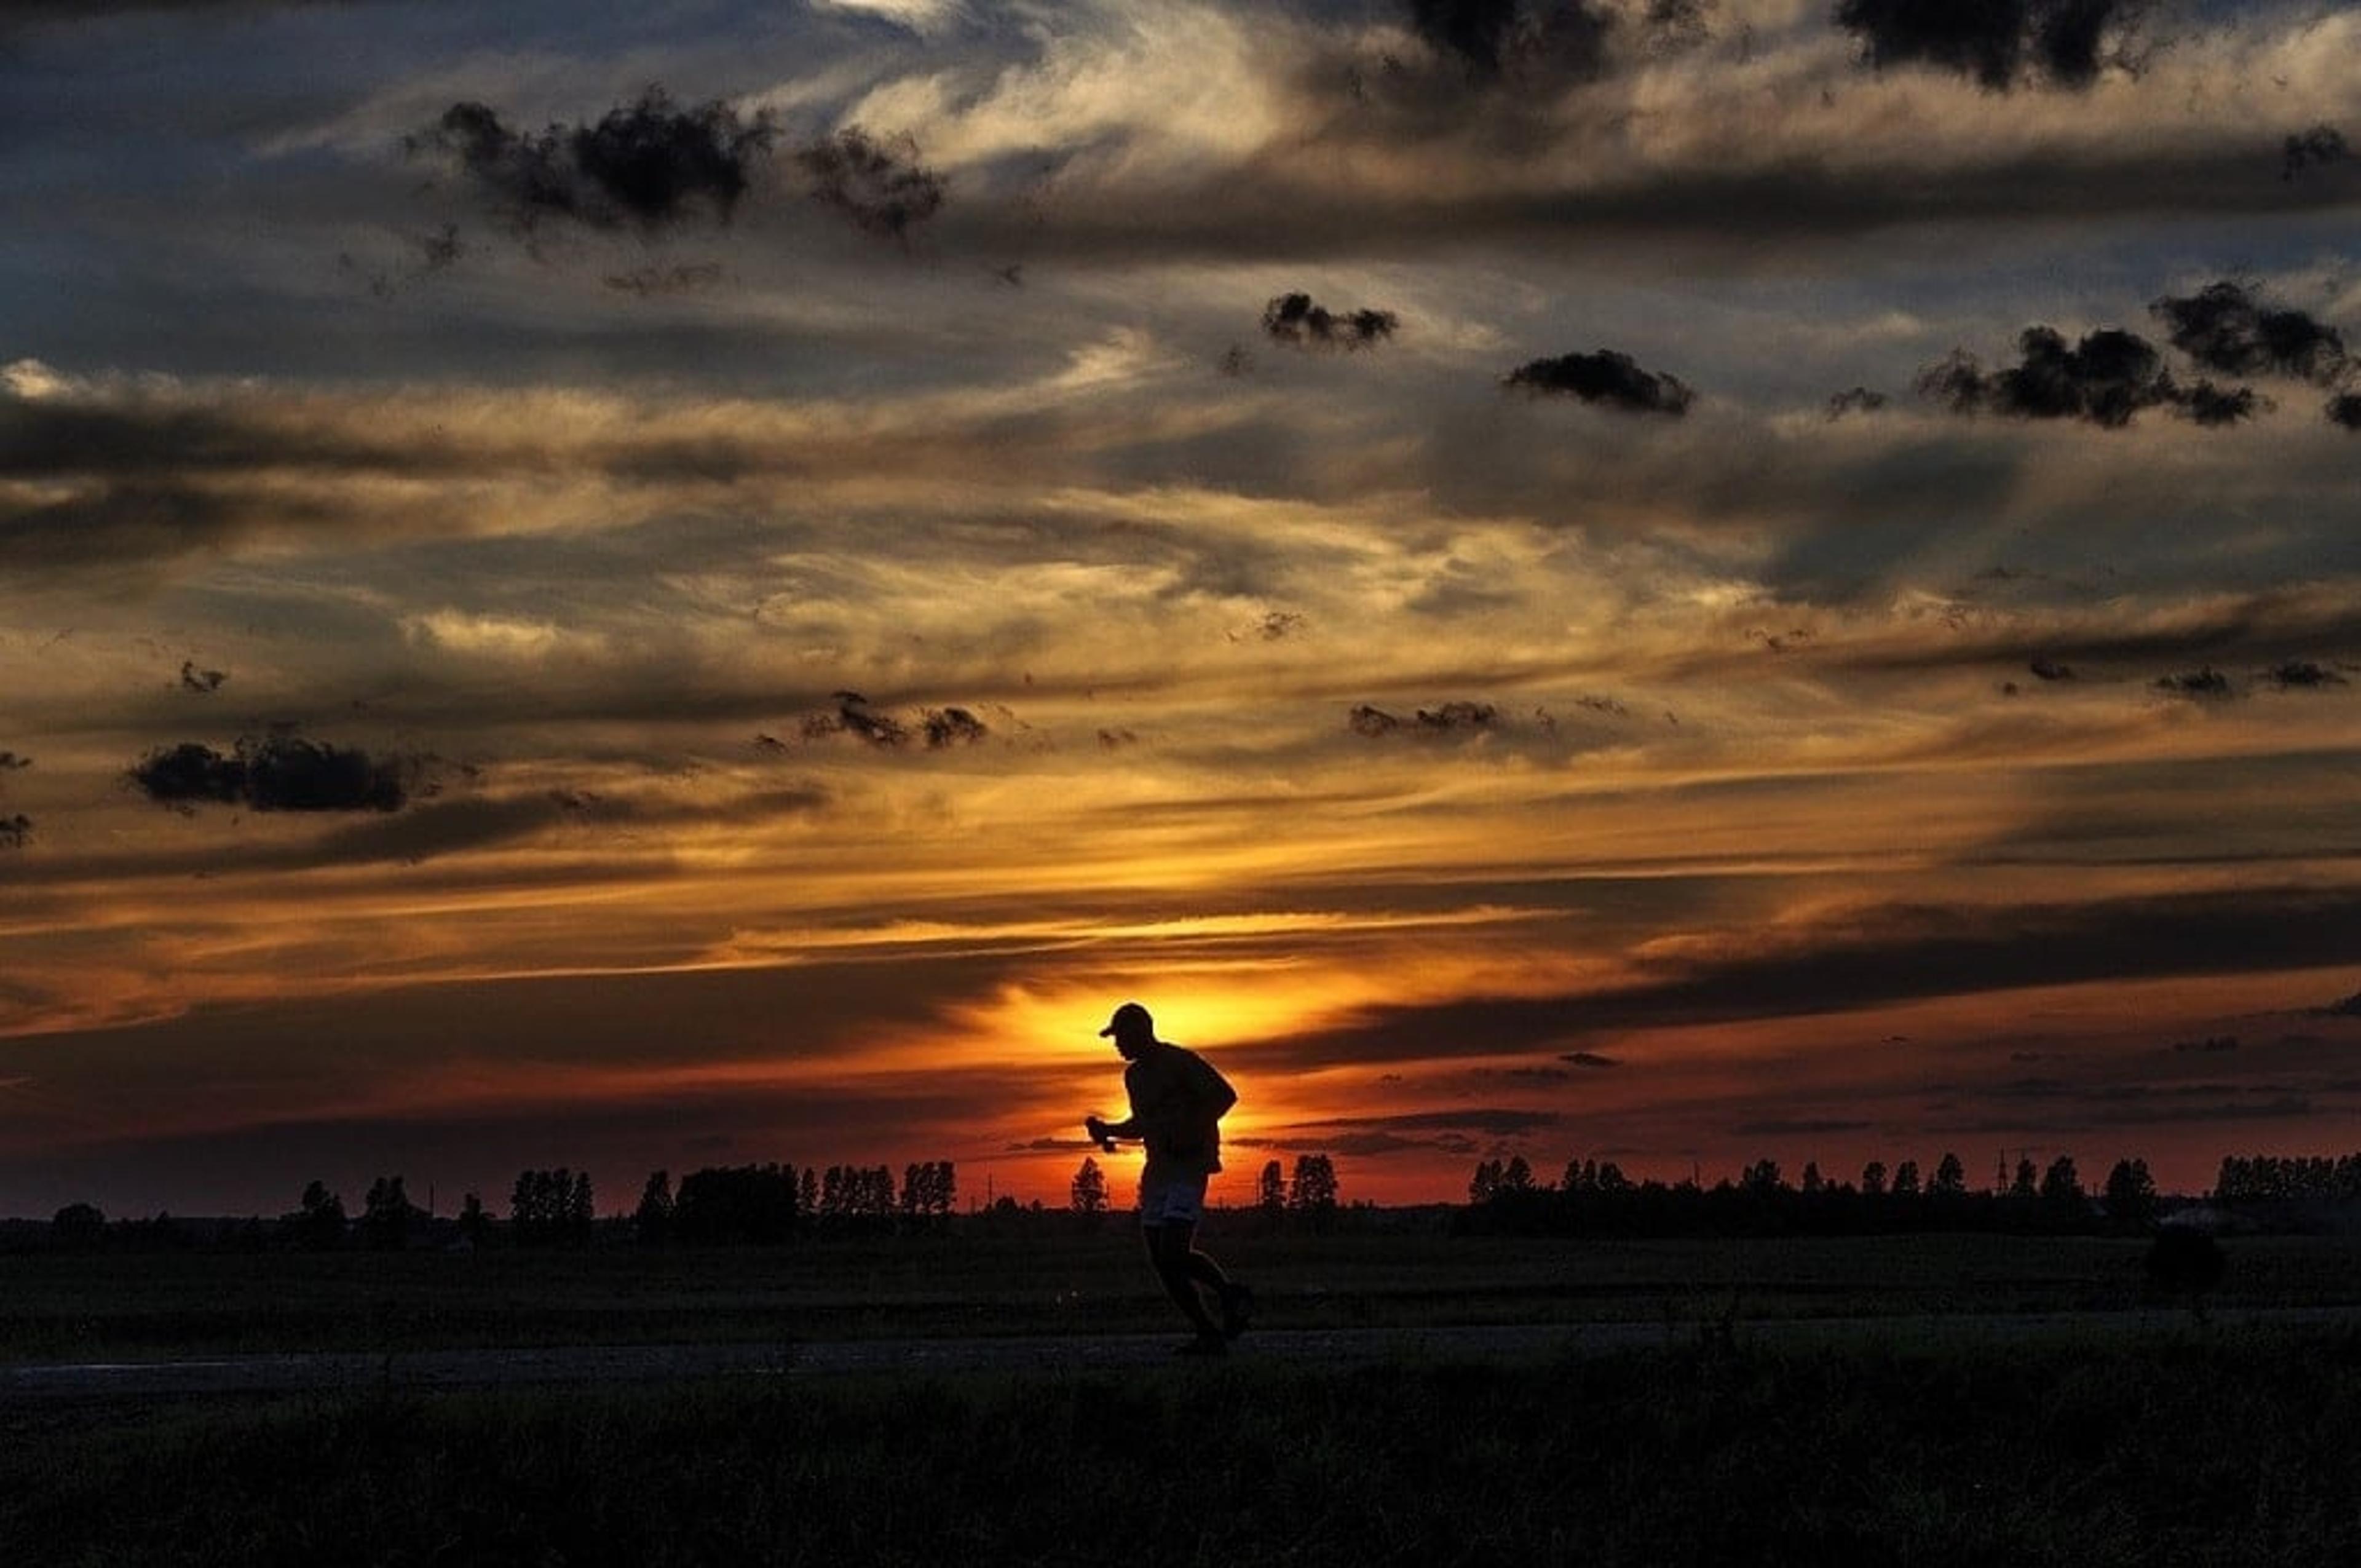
(1310, 1192)
(771, 1203)
(718, 1205)
(1595, 1196)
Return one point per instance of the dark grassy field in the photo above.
(56, 1307)
(2228, 1447)
(2216, 1441)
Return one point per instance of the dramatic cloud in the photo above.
(2302, 674)
(852, 716)
(1877, 955)
(649, 163)
(2105, 378)
(203, 682)
(1998, 42)
(1606, 377)
(2314, 149)
(1295, 319)
(276, 773)
(1569, 38)
(1855, 399)
(2344, 408)
(16, 828)
(2224, 326)
(2203, 683)
(952, 727)
(879, 187)
(1454, 717)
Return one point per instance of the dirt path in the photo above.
(482, 1368)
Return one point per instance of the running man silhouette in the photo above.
(1178, 1102)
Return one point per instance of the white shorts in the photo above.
(1172, 1198)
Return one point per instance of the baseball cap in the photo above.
(1130, 1015)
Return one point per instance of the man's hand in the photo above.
(1097, 1128)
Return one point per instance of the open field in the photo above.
(86, 1307)
(2217, 1447)
(2212, 1439)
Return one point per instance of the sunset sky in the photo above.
(655, 585)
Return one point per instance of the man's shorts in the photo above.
(1172, 1198)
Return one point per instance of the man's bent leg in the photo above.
(1169, 1248)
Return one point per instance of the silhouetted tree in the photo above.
(2061, 1185)
(1090, 1191)
(1312, 1188)
(652, 1221)
(808, 1191)
(1873, 1178)
(77, 1227)
(744, 1204)
(1950, 1177)
(551, 1206)
(1270, 1190)
(474, 1222)
(388, 1215)
(2131, 1194)
(1762, 1178)
(319, 1223)
(1906, 1179)
(927, 1189)
(2027, 1183)
(1484, 1182)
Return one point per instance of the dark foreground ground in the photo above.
(2199, 1444)
(1905, 1400)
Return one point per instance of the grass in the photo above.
(77, 1306)
(2218, 1448)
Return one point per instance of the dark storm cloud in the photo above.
(1458, 716)
(274, 773)
(852, 716)
(16, 831)
(1477, 31)
(1606, 377)
(2344, 408)
(2105, 379)
(1590, 1059)
(2203, 683)
(952, 727)
(203, 682)
(2225, 327)
(10, 761)
(1295, 319)
(2317, 147)
(879, 187)
(1887, 954)
(2302, 674)
(649, 163)
(1855, 399)
(2001, 43)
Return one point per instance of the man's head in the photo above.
(1131, 1029)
